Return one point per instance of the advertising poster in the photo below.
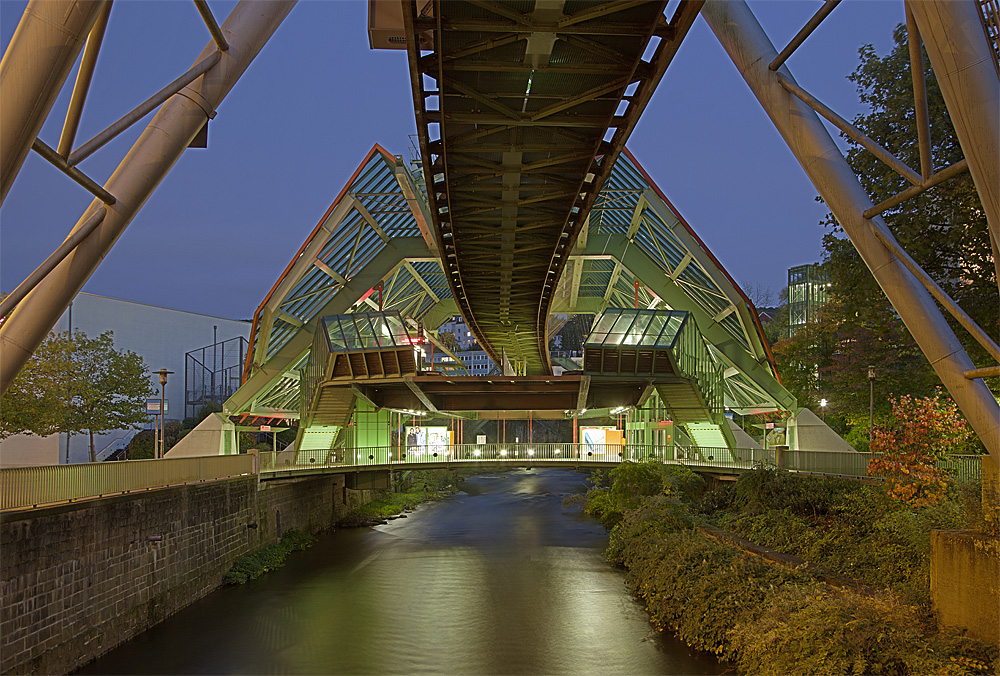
(427, 440)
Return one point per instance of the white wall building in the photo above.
(161, 336)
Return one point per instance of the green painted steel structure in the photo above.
(373, 249)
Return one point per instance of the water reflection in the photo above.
(497, 580)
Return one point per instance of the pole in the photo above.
(37, 62)
(959, 52)
(162, 415)
(152, 156)
(748, 46)
(871, 403)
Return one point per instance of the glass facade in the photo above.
(365, 331)
(808, 290)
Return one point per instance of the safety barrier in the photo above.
(22, 487)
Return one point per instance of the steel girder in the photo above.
(751, 50)
(633, 234)
(181, 116)
(532, 102)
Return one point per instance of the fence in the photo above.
(32, 486)
(22, 487)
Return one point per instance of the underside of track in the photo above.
(522, 109)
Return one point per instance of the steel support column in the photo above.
(160, 145)
(956, 43)
(34, 67)
(751, 51)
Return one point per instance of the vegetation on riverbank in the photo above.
(271, 557)
(411, 489)
(769, 619)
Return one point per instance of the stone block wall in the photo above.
(79, 579)
(965, 581)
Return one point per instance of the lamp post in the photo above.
(163, 373)
(822, 406)
(871, 403)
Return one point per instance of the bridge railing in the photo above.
(47, 484)
(962, 468)
(22, 487)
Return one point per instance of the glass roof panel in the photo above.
(621, 327)
(602, 327)
(638, 329)
(365, 331)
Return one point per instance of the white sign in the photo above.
(153, 406)
(480, 439)
(265, 428)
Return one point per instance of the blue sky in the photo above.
(226, 221)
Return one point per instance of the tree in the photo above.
(919, 433)
(944, 229)
(76, 384)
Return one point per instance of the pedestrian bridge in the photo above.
(31, 487)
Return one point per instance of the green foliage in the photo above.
(774, 620)
(811, 630)
(770, 488)
(272, 557)
(76, 385)
(848, 527)
(414, 488)
(630, 482)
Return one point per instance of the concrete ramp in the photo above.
(743, 440)
(812, 434)
(215, 435)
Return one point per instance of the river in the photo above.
(497, 579)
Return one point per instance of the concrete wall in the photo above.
(28, 449)
(80, 579)
(161, 336)
(965, 581)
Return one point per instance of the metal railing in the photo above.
(963, 468)
(22, 487)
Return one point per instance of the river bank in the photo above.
(773, 619)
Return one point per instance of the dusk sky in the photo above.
(227, 220)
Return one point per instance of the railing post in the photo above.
(780, 459)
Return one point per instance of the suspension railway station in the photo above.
(524, 210)
(339, 348)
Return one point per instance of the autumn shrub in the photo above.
(920, 432)
(692, 584)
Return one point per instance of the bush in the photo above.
(815, 631)
(630, 482)
(770, 488)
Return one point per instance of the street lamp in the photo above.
(871, 402)
(158, 452)
(822, 405)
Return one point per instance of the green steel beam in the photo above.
(643, 267)
(267, 374)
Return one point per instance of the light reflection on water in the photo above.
(496, 580)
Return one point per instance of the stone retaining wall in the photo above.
(78, 580)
